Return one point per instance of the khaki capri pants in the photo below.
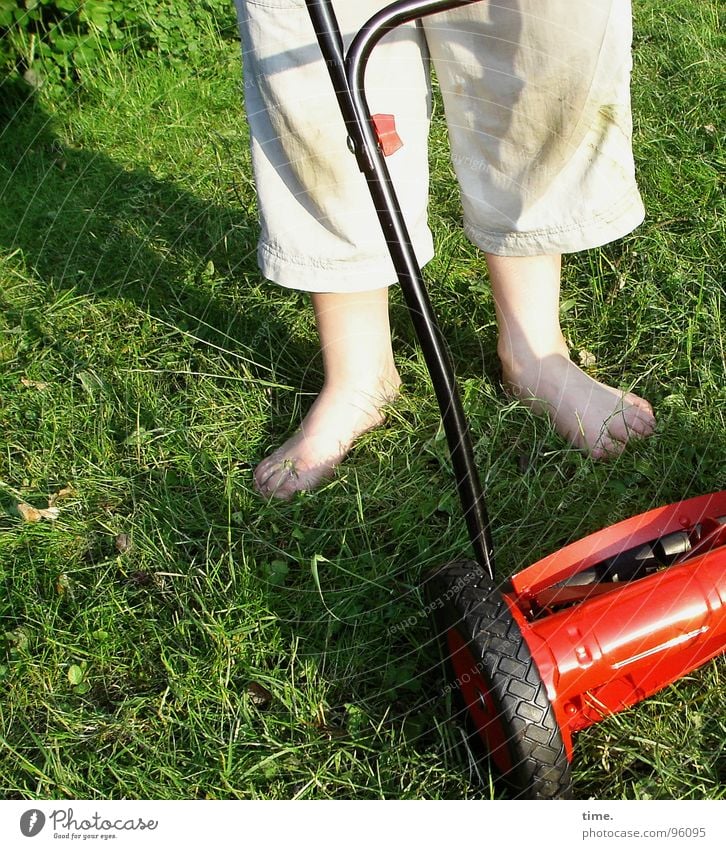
(536, 95)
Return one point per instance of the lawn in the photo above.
(166, 634)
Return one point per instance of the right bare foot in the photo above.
(336, 419)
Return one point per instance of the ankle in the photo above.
(519, 358)
(379, 387)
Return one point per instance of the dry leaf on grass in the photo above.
(259, 696)
(28, 513)
(33, 384)
(587, 359)
(66, 492)
(63, 585)
(122, 543)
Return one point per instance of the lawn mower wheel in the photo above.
(497, 689)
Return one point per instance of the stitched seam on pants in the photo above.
(625, 204)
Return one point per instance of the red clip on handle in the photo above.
(388, 139)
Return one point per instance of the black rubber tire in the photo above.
(461, 596)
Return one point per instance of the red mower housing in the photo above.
(601, 647)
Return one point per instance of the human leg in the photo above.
(360, 377)
(537, 367)
(537, 101)
(318, 225)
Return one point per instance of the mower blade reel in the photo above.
(527, 676)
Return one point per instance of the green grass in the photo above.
(169, 635)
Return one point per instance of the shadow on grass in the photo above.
(86, 223)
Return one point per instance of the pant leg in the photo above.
(537, 100)
(319, 230)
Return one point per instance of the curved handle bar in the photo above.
(347, 72)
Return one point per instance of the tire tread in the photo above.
(481, 615)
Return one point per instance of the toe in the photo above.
(275, 477)
(280, 483)
(641, 404)
(640, 409)
(619, 427)
(642, 426)
(639, 419)
(632, 418)
(263, 473)
(606, 448)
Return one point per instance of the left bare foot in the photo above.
(592, 416)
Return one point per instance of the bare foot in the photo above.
(594, 417)
(336, 419)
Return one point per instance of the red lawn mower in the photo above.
(588, 630)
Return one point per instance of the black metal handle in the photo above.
(347, 72)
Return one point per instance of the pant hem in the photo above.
(622, 218)
(308, 274)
